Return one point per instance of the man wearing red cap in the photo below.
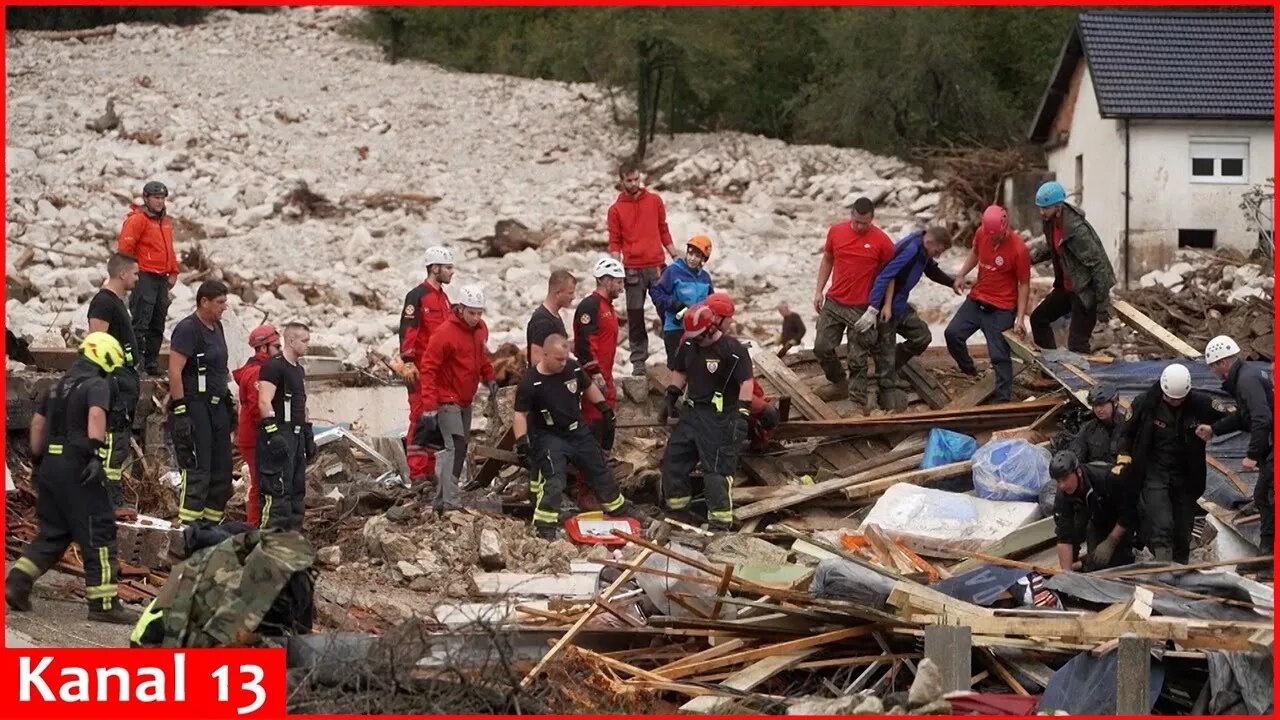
(265, 342)
(997, 301)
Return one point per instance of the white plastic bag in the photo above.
(1010, 470)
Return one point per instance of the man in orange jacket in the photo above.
(265, 342)
(426, 308)
(147, 234)
(640, 238)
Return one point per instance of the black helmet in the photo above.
(154, 188)
(1103, 393)
(1063, 463)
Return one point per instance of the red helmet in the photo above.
(995, 221)
(720, 303)
(697, 319)
(262, 336)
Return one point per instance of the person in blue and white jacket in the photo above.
(914, 255)
(684, 283)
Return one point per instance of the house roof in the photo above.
(1168, 65)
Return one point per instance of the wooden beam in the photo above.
(808, 492)
(1002, 415)
(1019, 543)
(1138, 320)
(873, 488)
(744, 680)
(805, 402)
(788, 646)
(925, 384)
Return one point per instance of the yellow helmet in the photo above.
(103, 351)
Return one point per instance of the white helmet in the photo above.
(1175, 381)
(471, 296)
(437, 255)
(608, 267)
(1220, 348)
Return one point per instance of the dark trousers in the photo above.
(671, 339)
(120, 430)
(149, 307)
(1169, 511)
(707, 436)
(638, 281)
(1095, 534)
(1264, 498)
(970, 318)
(206, 478)
(1055, 305)
(282, 480)
(891, 355)
(67, 512)
(553, 452)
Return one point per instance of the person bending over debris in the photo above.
(640, 238)
(854, 253)
(913, 256)
(997, 301)
(265, 342)
(1082, 272)
(551, 433)
(1092, 508)
(1160, 448)
(764, 419)
(202, 415)
(457, 359)
(1098, 437)
(286, 441)
(1254, 394)
(562, 288)
(684, 283)
(147, 234)
(69, 452)
(713, 371)
(426, 307)
(793, 329)
(595, 338)
(107, 313)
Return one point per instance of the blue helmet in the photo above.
(1050, 193)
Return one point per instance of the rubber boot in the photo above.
(1163, 554)
(546, 531)
(17, 590)
(117, 614)
(716, 526)
(893, 400)
(630, 509)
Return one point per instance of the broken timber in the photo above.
(808, 404)
(999, 416)
(1136, 319)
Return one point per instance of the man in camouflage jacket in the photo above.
(1082, 276)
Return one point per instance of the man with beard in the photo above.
(107, 313)
(426, 307)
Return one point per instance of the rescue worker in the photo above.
(107, 313)
(1254, 393)
(1159, 446)
(853, 255)
(265, 342)
(562, 288)
(286, 441)
(595, 337)
(147, 234)
(1092, 508)
(1098, 437)
(684, 283)
(1082, 272)
(713, 373)
(69, 454)
(201, 412)
(763, 419)
(551, 433)
(426, 307)
(996, 302)
(915, 255)
(640, 238)
(793, 329)
(456, 361)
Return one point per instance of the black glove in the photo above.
(670, 405)
(310, 435)
(94, 472)
(35, 463)
(184, 442)
(740, 424)
(610, 425)
(276, 444)
(522, 450)
(234, 419)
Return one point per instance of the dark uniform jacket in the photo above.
(1254, 394)
(1097, 439)
(1103, 500)
(1136, 440)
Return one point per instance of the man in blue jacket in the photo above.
(683, 284)
(913, 256)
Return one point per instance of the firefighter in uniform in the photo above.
(551, 433)
(1160, 447)
(713, 415)
(425, 308)
(285, 438)
(1254, 394)
(265, 342)
(595, 345)
(69, 450)
(108, 313)
(1098, 437)
(1093, 508)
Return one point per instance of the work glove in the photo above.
(670, 405)
(610, 425)
(94, 471)
(741, 424)
(233, 412)
(276, 444)
(36, 459)
(409, 374)
(1121, 465)
(867, 321)
(522, 450)
(184, 442)
(679, 309)
(1101, 555)
(309, 435)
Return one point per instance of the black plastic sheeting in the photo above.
(1107, 592)
(1240, 684)
(1086, 685)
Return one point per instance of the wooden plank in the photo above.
(1001, 671)
(925, 384)
(802, 398)
(873, 488)
(489, 469)
(1259, 560)
(1138, 320)
(787, 646)
(1002, 415)
(809, 492)
(744, 680)
(1019, 543)
(714, 651)
(519, 584)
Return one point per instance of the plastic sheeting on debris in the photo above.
(1106, 592)
(1240, 683)
(1010, 470)
(839, 579)
(947, 446)
(1086, 685)
(656, 587)
(946, 524)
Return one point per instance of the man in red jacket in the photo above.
(426, 307)
(639, 237)
(455, 362)
(147, 234)
(265, 342)
(595, 335)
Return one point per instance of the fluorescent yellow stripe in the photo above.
(266, 512)
(545, 516)
(104, 565)
(99, 592)
(615, 504)
(182, 498)
(679, 503)
(25, 565)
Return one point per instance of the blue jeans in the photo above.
(992, 321)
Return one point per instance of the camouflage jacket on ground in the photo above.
(1083, 259)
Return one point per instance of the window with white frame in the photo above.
(1220, 160)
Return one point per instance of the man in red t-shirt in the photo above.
(852, 257)
(639, 237)
(997, 301)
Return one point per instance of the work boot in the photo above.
(893, 400)
(547, 531)
(630, 509)
(118, 614)
(639, 371)
(1162, 554)
(17, 590)
(718, 527)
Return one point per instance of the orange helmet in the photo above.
(697, 320)
(720, 303)
(702, 244)
(262, 336)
